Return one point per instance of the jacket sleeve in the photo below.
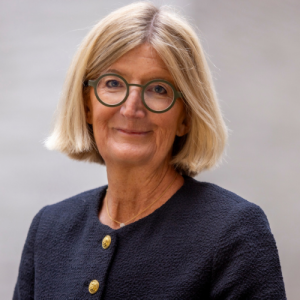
(246, 262)
(25, 283)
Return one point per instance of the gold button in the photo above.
(106, 242)
(94, 286)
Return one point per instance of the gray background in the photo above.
(253, 48)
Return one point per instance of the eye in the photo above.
(159, 89)
(113, 83)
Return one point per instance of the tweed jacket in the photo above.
(203, 243)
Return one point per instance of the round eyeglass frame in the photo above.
(94, 83)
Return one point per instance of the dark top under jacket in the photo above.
(203, 243)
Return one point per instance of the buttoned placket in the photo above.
(107, 245)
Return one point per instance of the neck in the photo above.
(132, 190)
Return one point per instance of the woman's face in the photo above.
(130, 134)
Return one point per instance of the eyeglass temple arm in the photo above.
(87, 83)
(178, 95)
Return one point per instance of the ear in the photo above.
(184, 126)
(88, 110)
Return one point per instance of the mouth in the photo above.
(133, 132)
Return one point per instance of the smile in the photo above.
(132, 132)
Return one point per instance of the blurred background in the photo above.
(253, 49)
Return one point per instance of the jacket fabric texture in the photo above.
(203, 243)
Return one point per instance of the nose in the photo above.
(133, 106)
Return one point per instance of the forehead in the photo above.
(144, 51)
(142, 62)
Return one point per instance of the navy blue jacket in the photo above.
(203, 243)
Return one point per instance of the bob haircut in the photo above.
(178, 46)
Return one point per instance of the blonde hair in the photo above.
(178, 46)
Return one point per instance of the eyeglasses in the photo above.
(112, 90)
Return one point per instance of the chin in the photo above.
(130, 155)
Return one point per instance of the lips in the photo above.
(133, 132)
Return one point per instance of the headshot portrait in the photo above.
(157, 157)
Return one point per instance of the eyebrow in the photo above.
(114, 71)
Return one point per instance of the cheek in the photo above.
(168, 125)
(101, 119)
(166, 133)
(101, 114)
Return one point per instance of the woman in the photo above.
(139, 98)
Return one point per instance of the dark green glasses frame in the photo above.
(94, 83)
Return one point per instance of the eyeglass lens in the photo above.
(157, 95)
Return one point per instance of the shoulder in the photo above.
(65, 220)
(222, 205)
(75, 204)
(240, 240)
(74, 211)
